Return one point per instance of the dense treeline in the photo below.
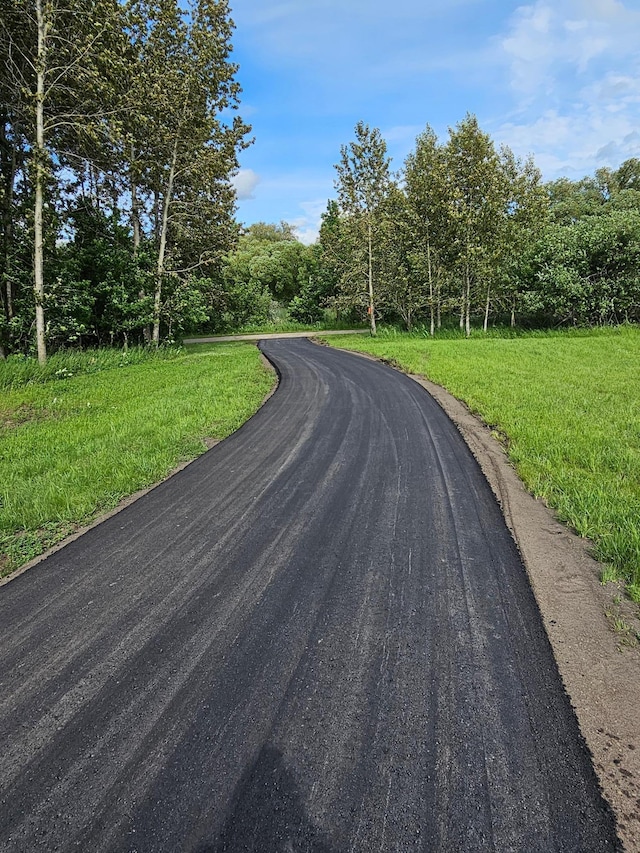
(118, 138)
(468, 231)
(464, 234)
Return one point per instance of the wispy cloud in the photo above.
(245, 183)
(559, 79)
(574, 71)
(567, 36)
(307, 225)
(333, 35)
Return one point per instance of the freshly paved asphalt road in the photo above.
(317, 637)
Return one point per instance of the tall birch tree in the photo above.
(364, 183)
(56, 59)
(477, 198)
(183, 152)
(425, 187)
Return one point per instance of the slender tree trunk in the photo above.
(372, 309)
(137, 238)
(513, 313)
(95, 186)
(462, 305)
(135, 208)
(439, 301)
(486, 309)
(467, 306)
(156, 216)
(163, 245)
(431, 305)
(9, 166)
(39, 156)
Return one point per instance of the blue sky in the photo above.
(559, 79)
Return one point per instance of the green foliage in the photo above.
(267, 232)
(568, 405)
(245, 302)
(588, 272)
(97, 288)
(471, 232)
(126, 176)
(73, 447)
(268, 265)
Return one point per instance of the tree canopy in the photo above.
(119, 135)
(468, 230)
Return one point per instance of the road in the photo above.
(317, 637)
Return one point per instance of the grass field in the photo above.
(93, 428)
(567, 405)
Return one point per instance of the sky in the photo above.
(557, 79)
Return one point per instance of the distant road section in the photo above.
(317, 637)
(217, 339)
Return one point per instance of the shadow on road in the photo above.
(268, 813)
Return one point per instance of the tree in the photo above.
(363, 184)
(627, 176)
(477, 197)
(268, 262)
(266, 232)
(183, 153)
(527, 214)
(587, 272)
(55, 54)
(97, 264)
(400, 291)
(425, 186)
(570, 201)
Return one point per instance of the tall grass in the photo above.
(18, 370)
(568, 404)
(72, 447)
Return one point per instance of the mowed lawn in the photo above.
(567, 405)
(72, 448)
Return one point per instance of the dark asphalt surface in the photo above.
(317, 637)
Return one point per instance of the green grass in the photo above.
(72, 448)
(568, 405)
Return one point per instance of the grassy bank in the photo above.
(568, 407)
(76, 441)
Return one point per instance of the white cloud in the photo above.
(307, 226)
(245, 183)
(573, 145)
(616, 151)
(574, 69)
(566, 36)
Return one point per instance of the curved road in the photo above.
(317, 637)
